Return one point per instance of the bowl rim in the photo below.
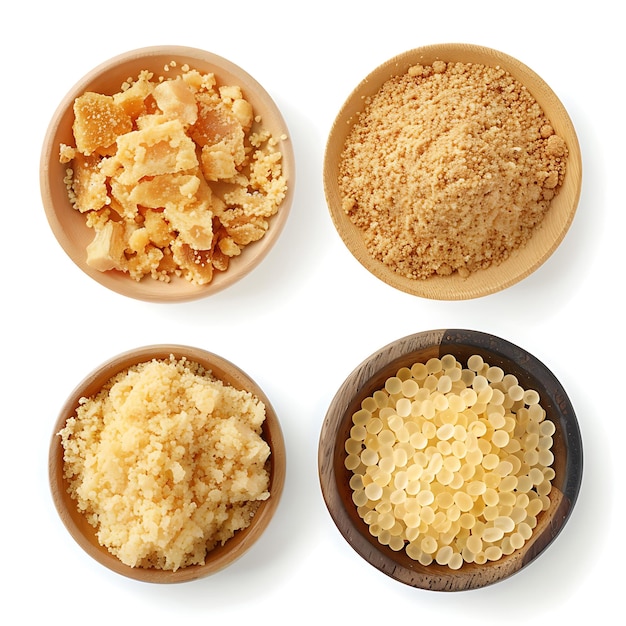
(523, 261)
(221, 556)
(368, 376)
(226, 71)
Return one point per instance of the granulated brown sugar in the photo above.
(449, 168)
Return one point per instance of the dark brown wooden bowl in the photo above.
(370, 376)
(221, 556)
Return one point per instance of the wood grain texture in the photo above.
(369, 376)
(68, 225)
(523, 261)
(222, 556)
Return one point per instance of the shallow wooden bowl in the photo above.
(221, 556)
(370, 376)
(68, 225)
(523, 261)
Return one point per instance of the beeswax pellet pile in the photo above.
(451, 464)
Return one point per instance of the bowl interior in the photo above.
(522, 261)
(221, 556)
(68, 225)
(371, 375)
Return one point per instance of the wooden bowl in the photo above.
(68, 225)
(221, 556)
(523, 261)
(370, 376)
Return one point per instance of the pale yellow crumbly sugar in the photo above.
(451, 464)
(449, 168)
(166, 462)
(182, 146)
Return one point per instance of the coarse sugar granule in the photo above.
(449, 168)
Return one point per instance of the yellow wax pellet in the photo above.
(497, 398)
(508, 483)
(492, 533)
(434, 365)
(493, 553)
(492, 480)
(531, 396)
(500, 438)
(490, 497)
(403, 407)
(518, 514)
(400, 457)
(477, 428)
(419, 371)
(424, 498)
(505, 523)
(536, 412)
(468, 396)
(386, 437)
(369, 404)
(467, 521)
(427, 514)
(525, 530)
(352, 446)
(507, 499)
(547, 428)
(393, 385)
(381, 399)
(446, 431)
(444, 384)
(504, 468)
(453, 513)
(463, 501)
(369, 457)
(352, 462)
(373, 491)
(490, 461)
(494, 374)
(531, 457)
(455, 403)
(455, 562)
(444, 500)
(475, 362)
(410, 387)
(443, 555)
(358, 432)
(359, 497)
(361, 417)
(496, 418)
(544, 488)
(480, 383)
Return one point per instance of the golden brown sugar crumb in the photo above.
(449, 168)
(166, 462)
(180, 146)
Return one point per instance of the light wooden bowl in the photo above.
(221, 556)
(523, 261)
(370, 376)
(68, 225)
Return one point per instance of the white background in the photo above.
(310, 313)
